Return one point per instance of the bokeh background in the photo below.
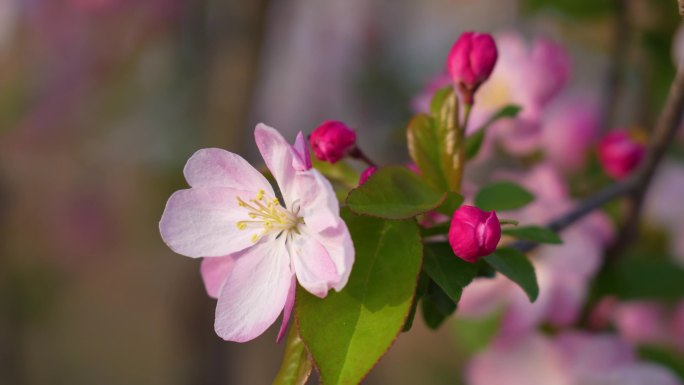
(102, 102)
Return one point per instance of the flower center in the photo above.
(268, 216)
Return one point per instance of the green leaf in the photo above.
(664, 356)
(475, 334)
(424, 146)
(451, 203)
(340, 171)
(434, 142)
(573, 8)
(445, 113)
(348, 332)
(534, 233)
(474, 141)
(394, 193)
(645, 279)
(502, 196)
(421, 289)
(448, 271)
(296, 366)
(440, 97)
(515, 265)
(436, 306)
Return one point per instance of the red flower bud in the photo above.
(619, 154)
(471, 61)
(474, 233)
(366, 174)
(332, 141)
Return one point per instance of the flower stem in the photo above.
(466, 116)
(356, 153)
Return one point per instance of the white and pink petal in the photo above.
(255, 293)
(214, 273)
(315, 270)
(202, 222)
(279, 156)
(338, 244)
(214, 167)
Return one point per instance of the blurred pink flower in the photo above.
(571, 358)
(641, 322)
(526, 75)
(569, 130)
(663, 205)
(256, 246)
(563, 271)
(649, 322)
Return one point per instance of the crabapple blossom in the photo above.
(568, 131)
(257, 246)
(570, 358)
(529, 75)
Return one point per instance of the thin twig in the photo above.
(662, 136)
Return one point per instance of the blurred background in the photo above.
(103, 101)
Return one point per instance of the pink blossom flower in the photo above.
(367, 174)
(663, 206)
(471, 61)
(474, 233)
(568, 131)
(256, 246)
(619, 154)
(651, 323)
(527, 75)
(332, 141)
(641, 322)
(571, 358)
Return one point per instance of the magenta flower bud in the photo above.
(332, 141)
(472, 60)
(366, 174)
(474, 233)
(619, 154)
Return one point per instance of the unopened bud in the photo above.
(619, 154)
(332, 141)
(471, 62)
(474, 233)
